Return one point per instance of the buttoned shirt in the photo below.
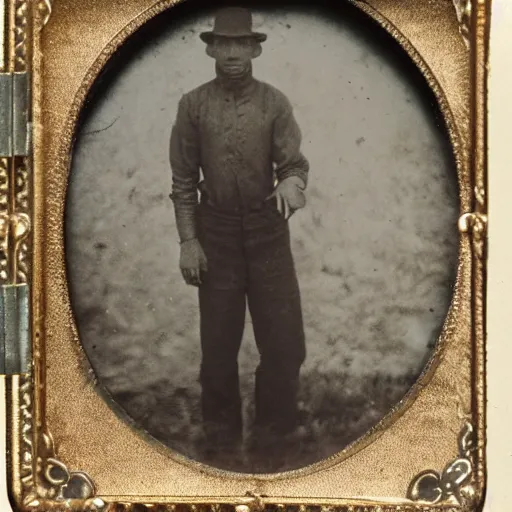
(241, 139)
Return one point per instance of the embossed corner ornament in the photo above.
(463, 8)
(454, 484)
(58, 484)
(45, 6)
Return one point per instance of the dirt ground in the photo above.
(375, 248)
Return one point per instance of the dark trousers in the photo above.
(249, 260)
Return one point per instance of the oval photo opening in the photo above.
(261, 231)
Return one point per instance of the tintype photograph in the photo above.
(261, 232)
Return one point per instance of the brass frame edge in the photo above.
(481, 17)
(32, 485)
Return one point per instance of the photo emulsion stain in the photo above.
(261, 233)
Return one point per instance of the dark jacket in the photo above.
(241, 138)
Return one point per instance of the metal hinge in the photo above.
(15, 350)
(15, 129)
(15, 135)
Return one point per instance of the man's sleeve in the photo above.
(184, 157)
(287, 138)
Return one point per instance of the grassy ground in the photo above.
(337, 408)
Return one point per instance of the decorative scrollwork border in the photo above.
(21, 31)
(4, 220)
(98, 505)
(20, 221)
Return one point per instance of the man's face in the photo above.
(233, 54)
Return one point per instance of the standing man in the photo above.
(241, 134)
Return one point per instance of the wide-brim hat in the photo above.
(233, 22)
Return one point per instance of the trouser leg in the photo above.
(222, 325)
(222, 306)
(275, 307)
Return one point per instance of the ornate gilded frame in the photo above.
(67, 449)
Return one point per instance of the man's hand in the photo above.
(192, 262)
(290, 196)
